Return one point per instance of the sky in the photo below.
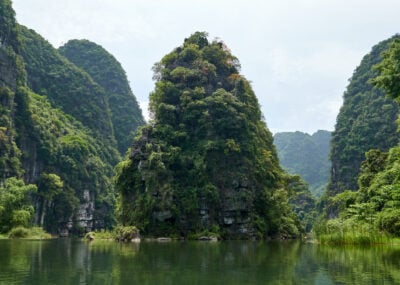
(298, 54)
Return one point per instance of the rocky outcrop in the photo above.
(206, 163)
(85, 213)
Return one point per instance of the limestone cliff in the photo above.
(55, 132)
(206, 162)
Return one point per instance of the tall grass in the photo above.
(354, 238)
(347, 232)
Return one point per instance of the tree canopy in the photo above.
(389, 71)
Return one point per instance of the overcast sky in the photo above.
(298, 54)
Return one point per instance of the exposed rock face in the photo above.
(234, 212)
(85, 213)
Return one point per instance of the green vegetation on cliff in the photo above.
(15, 206)
(206, 162)
(105, 70)
(8, 28)
(367, 120)
(301, 201)
(10, 154)
(306, 155)
(12, 72)
(65, 85)
(64, 150)
(374, 209)
(59, 145)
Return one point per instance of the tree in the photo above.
(389, 71)
(15, 204)
(49, 186)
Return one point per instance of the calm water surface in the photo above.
(66, 261)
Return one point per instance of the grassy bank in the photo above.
(351, 232)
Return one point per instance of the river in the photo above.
(68, 261)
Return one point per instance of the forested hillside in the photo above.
(367, 120)
(306, 155)
(105, 70)
(373, 211)
(206, 163)
(65, 85)
(56, 134)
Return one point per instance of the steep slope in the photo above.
(373, 211)
(65, 85)
(105, 70)
(62, 142)
(69, 165)
(306, 155)
(367, 120)
(8, 28)
(11, 73)
(206, 163)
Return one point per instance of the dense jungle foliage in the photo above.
(105, 70)
(367, 120)
(306, 155)
(206, 162)
(302, 202)
(65, 85)
(374, 209)
(8, 30)
(69, 156)
(57, 149)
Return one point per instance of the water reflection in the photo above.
(67, 261)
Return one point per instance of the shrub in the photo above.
(389, 220)
(38, 233)
(30, 233)
(126, 233)
(18, 232)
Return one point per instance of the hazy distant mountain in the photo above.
(306, 155)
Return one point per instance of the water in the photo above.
(66, 261)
